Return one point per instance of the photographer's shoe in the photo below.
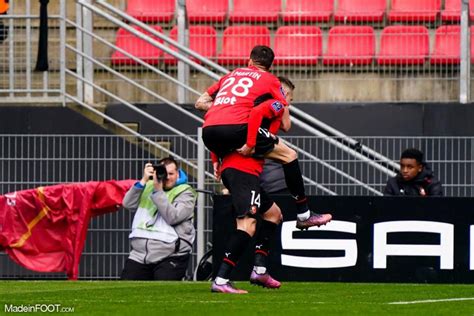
(264, 280)
(226, 288)
(314, 219)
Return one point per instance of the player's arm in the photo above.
(204, 102)
(269, 109)
(216, 166)
(285, 119)
(274, 127)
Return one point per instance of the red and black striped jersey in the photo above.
(236, 93)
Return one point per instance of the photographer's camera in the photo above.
(161, 173)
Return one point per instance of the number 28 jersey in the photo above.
(236, 93)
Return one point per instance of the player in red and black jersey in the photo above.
(225, 130)
(240, 174)
(229, 103)
(234, 96)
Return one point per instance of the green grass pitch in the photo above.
(195, 298)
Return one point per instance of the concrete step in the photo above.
(118, 130)
(97, 119)
(113, 128)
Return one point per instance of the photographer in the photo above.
(162, 230)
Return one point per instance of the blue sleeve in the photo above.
(138, 185)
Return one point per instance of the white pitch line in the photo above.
(434, 301)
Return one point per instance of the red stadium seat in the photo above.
(298, 45)
(255, 11)
(137, 47)
(152, 10)
(404, 45)
(360, 11)
(471, 10)
(208, 11)
(350, 45)
(472, 44)
(447, 45)
(414, 10)
(202, 39)
(452, 10)
(238, 42)
(308, 11)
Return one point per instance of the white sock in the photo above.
(221, 281)
(303, 216)
(259, 269)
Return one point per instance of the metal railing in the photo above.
(87, 81)
(20, 82)
(84, 73)
(315, 81)
(30, 161)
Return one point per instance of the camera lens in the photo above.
(161, 173)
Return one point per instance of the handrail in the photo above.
(125, 78)
(125, 127)
(131, 106)
(190, 62)
(149, 39)
(334, 169)
(346, 138)
(343, 147)
(131, 131)
(134, 58)
(165, 38)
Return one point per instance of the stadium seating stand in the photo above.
(350, 45)
(137, 47)
(298, 45)
(360, 11)
(403, 45)
(239, 40)
(152, 11)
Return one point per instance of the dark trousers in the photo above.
(172, 268)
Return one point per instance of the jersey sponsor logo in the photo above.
(225, 100)
(282, 91)
(277, 106)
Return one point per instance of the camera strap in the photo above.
(178, 244)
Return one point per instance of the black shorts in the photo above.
(223, 139)
(247, 196)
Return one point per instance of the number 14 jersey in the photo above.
(236, 93)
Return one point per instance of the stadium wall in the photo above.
(45, 120)
(370, 119)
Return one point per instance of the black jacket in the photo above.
(424, 181)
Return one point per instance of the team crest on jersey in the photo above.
(277, 106)
(253, 209)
